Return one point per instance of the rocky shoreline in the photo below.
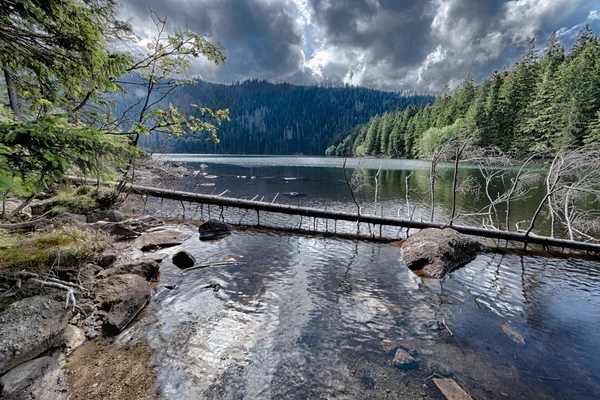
(57, 327)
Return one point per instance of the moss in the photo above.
(85, 199)
(64, 247)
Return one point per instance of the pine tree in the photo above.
(539, 125)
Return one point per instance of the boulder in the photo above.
(160, 239)
(184, 260)
(105, 215)
(213, 229)
(119, 229)
(28, 328)
(41, 379)
(435, 252)
(147, 268)
(121, 297)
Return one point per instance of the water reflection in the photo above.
(314, 317)
(320, 182)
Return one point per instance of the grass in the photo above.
(64, 247)
(84, 199)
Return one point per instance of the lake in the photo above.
(310, 316)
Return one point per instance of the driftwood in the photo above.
(358, 218)
(27, 225)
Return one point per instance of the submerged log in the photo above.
(362, 218)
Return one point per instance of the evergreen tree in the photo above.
(539, 125)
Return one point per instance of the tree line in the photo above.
(269, 118)
(548, 100)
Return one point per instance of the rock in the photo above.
(42, 207)
(161, 239)
(122, 297)
(118, 229)
(184, 260)
(435, 252)
(147, 268)
(213, 229)
(403, 359)
(41, 379)
(105, 215)
(28, 328)
(513, 334)
(107, 260)
(73, 337)
(69, 218)
(451, 390)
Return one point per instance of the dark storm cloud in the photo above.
(261, 38)
(389, 44)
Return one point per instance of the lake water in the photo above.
(302, 316)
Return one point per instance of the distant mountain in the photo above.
(269, 118)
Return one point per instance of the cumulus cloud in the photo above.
(389, 44)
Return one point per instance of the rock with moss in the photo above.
(28, 328)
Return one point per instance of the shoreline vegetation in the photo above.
(545, 102)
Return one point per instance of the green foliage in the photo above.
(64, 247)
(540, 104)
(85, 199)
(268, 118)
(39, 153)
(435, 137)
(57, 51)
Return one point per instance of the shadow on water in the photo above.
(316, 317)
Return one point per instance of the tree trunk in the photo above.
(12, 92)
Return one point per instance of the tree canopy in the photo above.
(544, 102)
(62, 65)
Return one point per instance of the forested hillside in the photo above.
(548, 100)
(271, 118)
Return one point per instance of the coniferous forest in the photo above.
(269, 118)
(548, 100)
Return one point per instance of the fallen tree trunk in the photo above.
(359, 218)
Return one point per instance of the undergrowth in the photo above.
(85, 199)
(64, 247)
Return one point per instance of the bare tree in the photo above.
(572, 182)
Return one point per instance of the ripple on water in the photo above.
(319, 317)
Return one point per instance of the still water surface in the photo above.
(309, 316)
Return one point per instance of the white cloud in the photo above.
(594, 15)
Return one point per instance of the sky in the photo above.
(420, 45)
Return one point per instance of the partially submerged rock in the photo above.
(403, 360)
(435, 252)
(213, 229)
(513, 334)
(161, 239)
(147, 268)
(121, 297)
(41, 379)
(28, 328)
(184, 260)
